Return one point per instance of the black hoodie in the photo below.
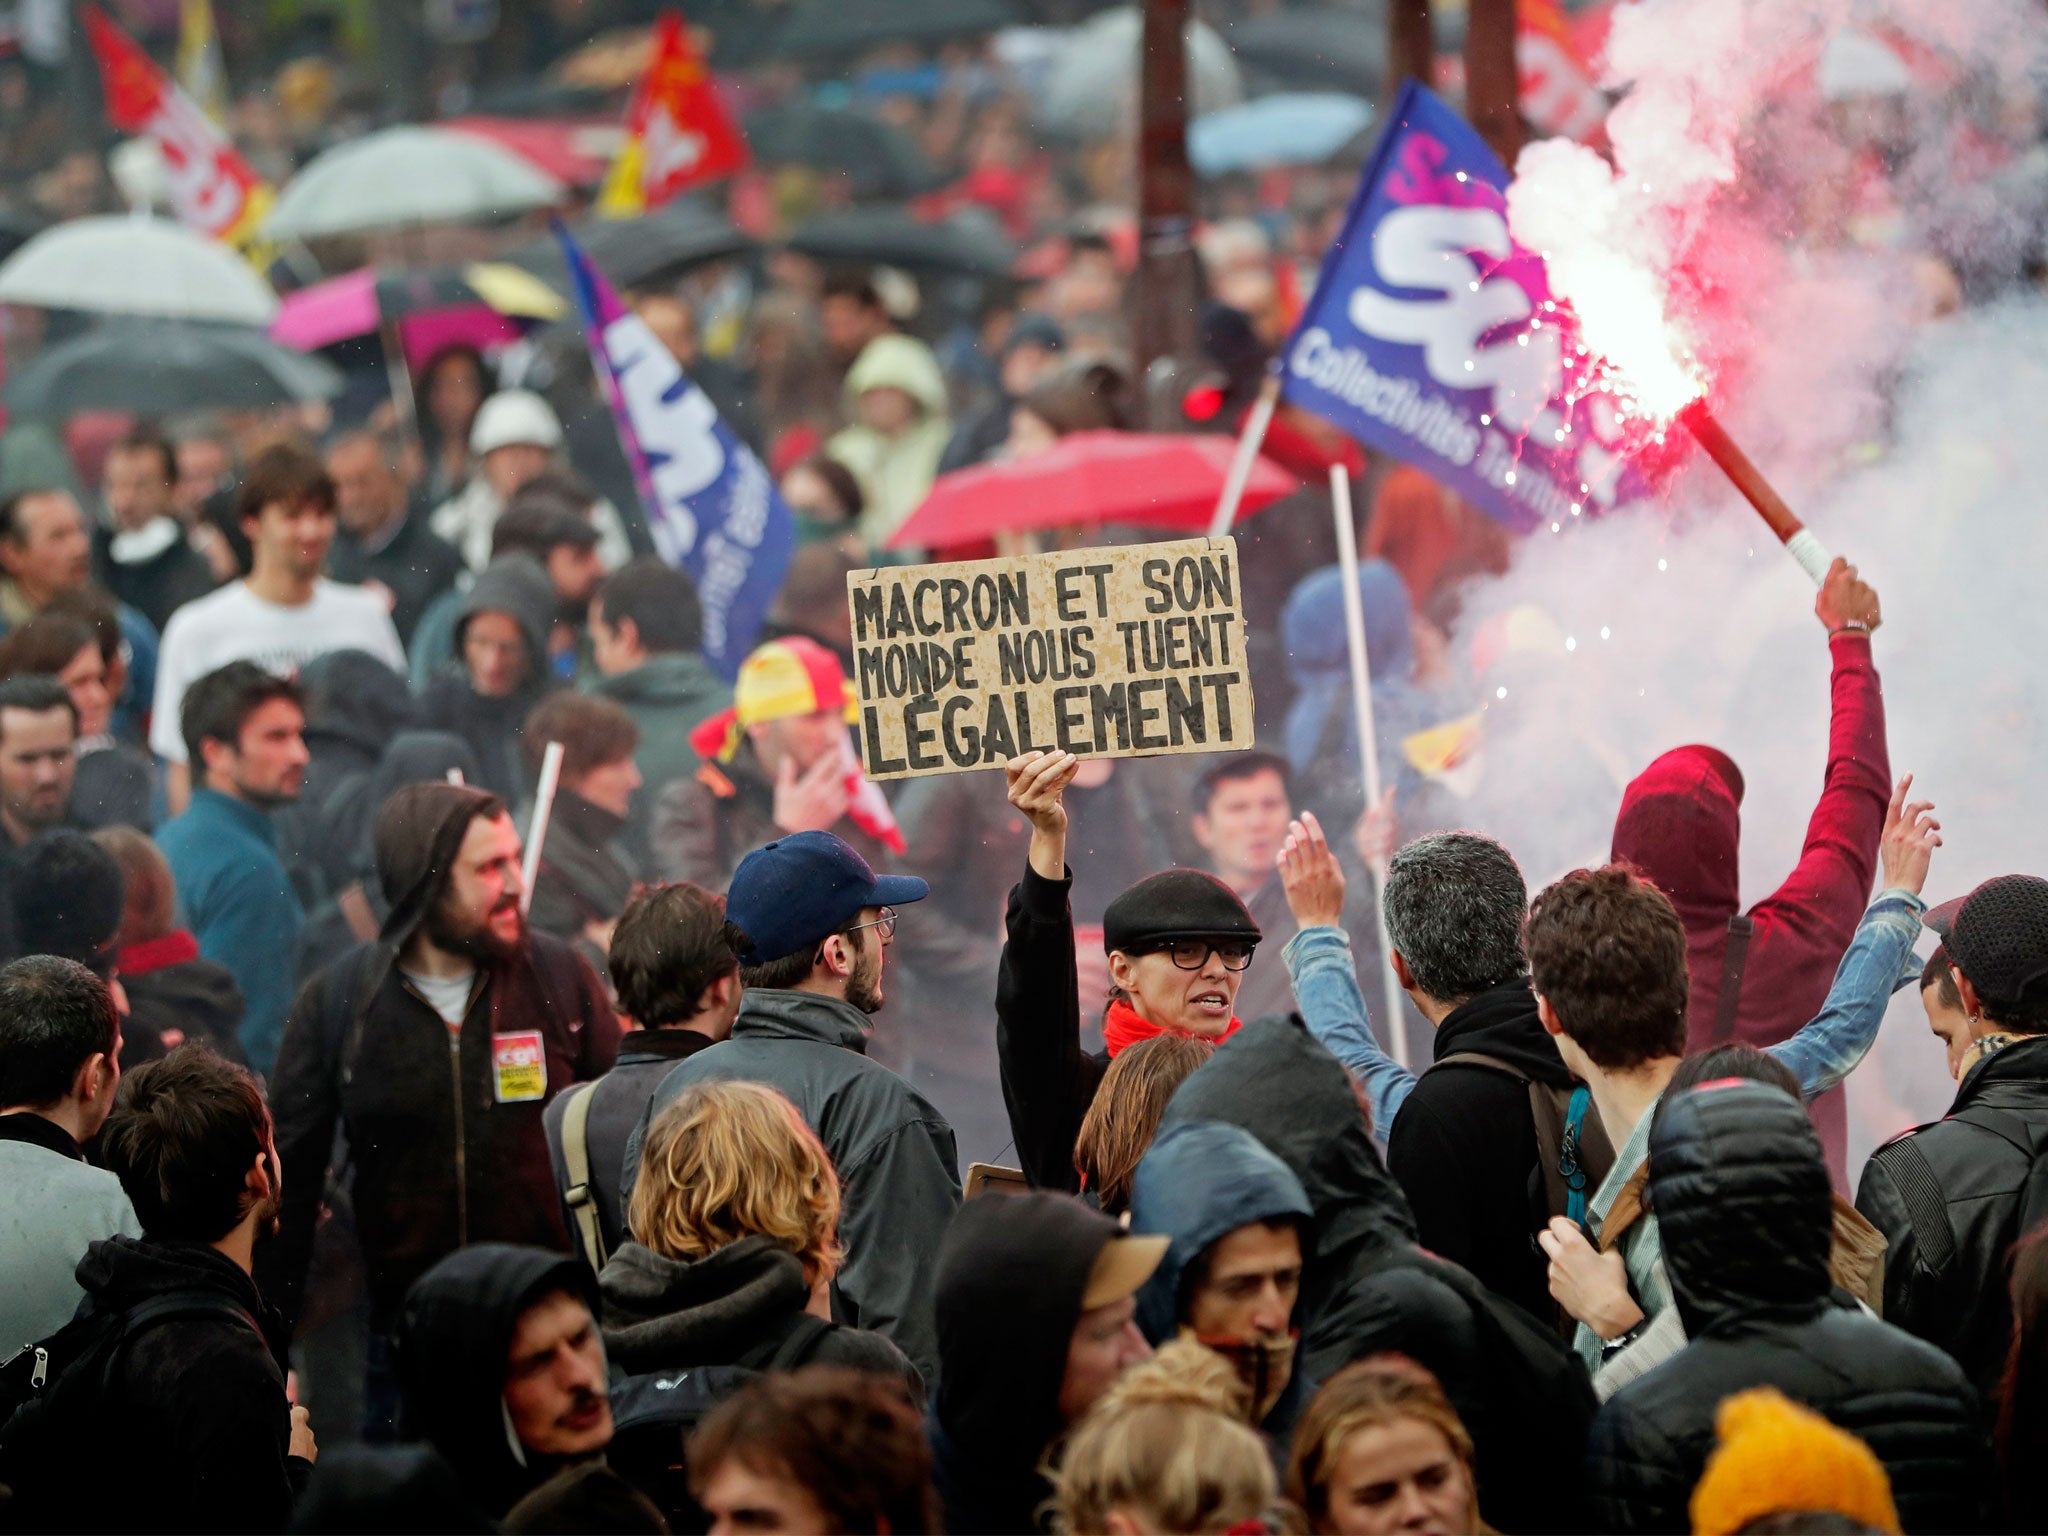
(1463, 1148)
(454, 1339)
(1368, 1287)
(355, 705)
(1012, 1271)
(1746, 1212)
(199, 1429)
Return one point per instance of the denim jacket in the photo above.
(1878, 961)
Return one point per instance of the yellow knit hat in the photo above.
(1776, 1456)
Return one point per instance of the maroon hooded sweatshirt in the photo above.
(1680, 823)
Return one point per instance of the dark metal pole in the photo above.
(1411, 45)
(1167, 292)
(1493, 90)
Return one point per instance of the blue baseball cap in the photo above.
(800, 890)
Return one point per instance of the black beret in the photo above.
(1175, 904)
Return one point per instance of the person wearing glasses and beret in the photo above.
(811, 924)
(1178, 944)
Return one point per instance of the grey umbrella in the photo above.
(892, 238)
(879, 158)
(642, 252)
(817, 28)
(154, 367)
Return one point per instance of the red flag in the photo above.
(1557, 87)
(678, 132)
(213, 189)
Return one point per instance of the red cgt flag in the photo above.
(213, 189)
(678, 132)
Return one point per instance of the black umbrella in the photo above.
(882, 160)
(819, 28)
(155, 367)
(891, 237)
(647, 251)
(1321, 48)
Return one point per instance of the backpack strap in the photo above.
(1734, 961)
(580, 1197)
(169, 1308)
(1572, 1149)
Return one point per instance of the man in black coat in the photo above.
(436, 1048)
(503, 1370)
(209, 1440)
(1367, 1286)
(141, 554)
(1741, 1189)
(383, 540)
(1952, 1197)
(1462, 1143)
(1036, 1303)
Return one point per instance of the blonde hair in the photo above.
(1124, 1115)
(1378, 1390)
(729, 1160)
(1168, 1441)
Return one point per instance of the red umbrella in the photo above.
(1154, 479)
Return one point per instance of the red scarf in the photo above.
(173, 948)
(1122, 1028)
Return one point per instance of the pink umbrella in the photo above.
(482, 305)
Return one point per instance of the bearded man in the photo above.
(434, 1048)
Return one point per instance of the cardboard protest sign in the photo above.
(1100, 652)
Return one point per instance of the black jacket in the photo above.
(157, 587)
(1011, 1274)
(584, 876)
(199, 1426)
(736, 1306)
(1367, 1286)
(1742, 1197)
(1048, 1080)
(186, 999)
(1463, 1148)
(453, 1342)
(1951, 1199)
(414, 565)
(438, 1161)
(355, 707)
(618, 1100)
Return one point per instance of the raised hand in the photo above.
(1847, 599)
(1036, 782)
(813, 800)
(1911, 834)
(1310, 875)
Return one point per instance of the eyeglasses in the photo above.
(1193, 954)
(885, 925)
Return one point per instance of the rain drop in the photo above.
(1605, 632)
(1570, 643)
(1500, 693)
(1662, 566)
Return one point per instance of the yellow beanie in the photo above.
(1776, 1456)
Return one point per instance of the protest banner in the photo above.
(712, 507)
(1434, 337)
(1119, 652)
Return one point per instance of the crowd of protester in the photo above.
(368, 1186)
(776, 1150)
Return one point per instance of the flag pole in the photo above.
(1368, 744)
(537, 830)
(1250, 439)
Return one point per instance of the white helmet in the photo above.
(514, 416)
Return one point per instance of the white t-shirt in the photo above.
(448, 995)
(234, 624)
